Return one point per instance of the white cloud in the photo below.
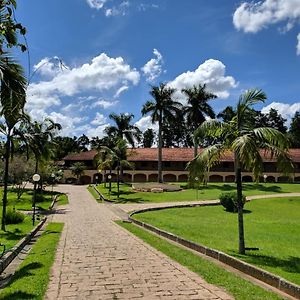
(298, 44)
(145, 123)
(99, 119)
(120, 91)
(144, 6)
(50, 66)
(153, 68)
(211, 73)
(90, 131)
(254, 16)
(104, 104)
(97, 4)
(286, 110)
(117, 10)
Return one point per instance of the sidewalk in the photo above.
(97, 259)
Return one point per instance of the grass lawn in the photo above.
(272, 225)
(31, 279)
(211, 191)
(212, 273)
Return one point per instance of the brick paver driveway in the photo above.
(97, 259)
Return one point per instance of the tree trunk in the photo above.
(240, 205)
(118, 179)
(159, 161)
(5, 179)
(195, 148)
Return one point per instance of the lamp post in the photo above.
(197, 186)
(36, 178)
(52, 181)
(109, 189)
(96, 179)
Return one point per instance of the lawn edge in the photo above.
(269, 278)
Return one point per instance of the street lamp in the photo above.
(265, 178)
(96, 179)
(197, 187)
(52, 181)
(36, 178)
(109, 189)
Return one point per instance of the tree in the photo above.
(38, 138)
(78, 169)
(123, 129)
(162, 107)
(83, 143)
(197, 108)
(12, 98)
(294, 131)
(148, 138)
(226, 114)
(271, 119)
(64, 146)
(245, 142)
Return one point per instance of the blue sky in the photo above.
(93, 57)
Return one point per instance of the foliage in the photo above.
(148, 138)
(245, 142)
(294, 131)
(78, 169)
(30, 281)
(272, 226)
(14, 217)
(162, 109)
(40, 198)
(229, 201)
(239, 288)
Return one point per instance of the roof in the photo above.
(170, 154)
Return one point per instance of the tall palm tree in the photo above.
(162, 108)
(245, 142)
(197, 108)
(123, 129)
(12, 99)
(38, 138)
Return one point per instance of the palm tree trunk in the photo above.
(5, 179)
(240, 205)
(118, 179)
(159, 161)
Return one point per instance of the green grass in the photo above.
(93, 192)
(15, 232)
(31, 279)
(62, 199)
(212, 273)
(272, 225)
(211, 191)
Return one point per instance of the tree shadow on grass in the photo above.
(17, 296)
(16, 234)
(262, 187)
(24, 271)
(290, 264)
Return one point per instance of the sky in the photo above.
(89, 58)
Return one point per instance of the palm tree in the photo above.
(78, 169)
(162, 108)
(12, 99)
(245, 142)
(116, 156)
(38, 137)
(197, 108)
(123, 129)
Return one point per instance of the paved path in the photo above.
(97, 259)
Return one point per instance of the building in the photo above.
(174, 167)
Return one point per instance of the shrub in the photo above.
(14, 217)
(40, 198)
(229, 201)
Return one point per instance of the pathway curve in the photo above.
(97, 259)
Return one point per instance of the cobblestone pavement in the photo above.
(97, 259)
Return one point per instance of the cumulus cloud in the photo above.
(153, 68)
(99, 119)
(254, 16)
(286, 110)
(145, 123)
(103, 104)
(102, 74)
(211, 73)
(49, 67)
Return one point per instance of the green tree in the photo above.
(148, 138)
(294, 130)
(77, 169)
(226, 114)
(123, 129)
(162, 108)
(13, 99)
(197, 108)
(245, 142)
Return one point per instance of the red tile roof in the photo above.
(169, 154)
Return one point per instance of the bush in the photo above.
(14, 217)
(40, 198)
(229, 201)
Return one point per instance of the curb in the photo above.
(101, 196)
(262, 275)
(8, 257)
